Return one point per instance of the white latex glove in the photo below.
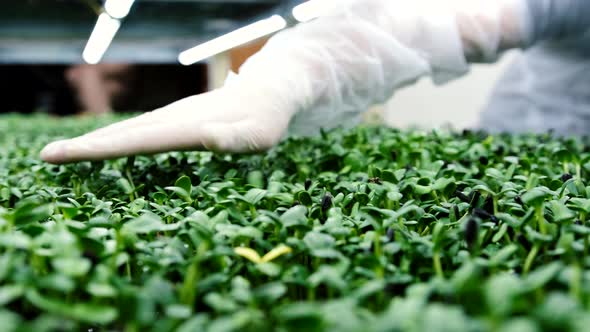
(325, 73)
(229, 119)
(340, 65)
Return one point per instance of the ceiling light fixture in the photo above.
(104, 31)
(233, 39)
(118, 8)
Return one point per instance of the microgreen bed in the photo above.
(370, 229)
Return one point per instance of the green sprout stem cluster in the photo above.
(368, 229)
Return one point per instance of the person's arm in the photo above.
(323, 71)
(554, 19)
(338, 66)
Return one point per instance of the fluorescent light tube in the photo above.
(235, 38)
(118, 8)
(104, 31)
(309, 10)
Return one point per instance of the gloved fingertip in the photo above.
(54, 152)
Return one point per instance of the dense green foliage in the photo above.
(360, 230)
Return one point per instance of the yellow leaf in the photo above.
(249, 254)
(488, 141)
(276, 252)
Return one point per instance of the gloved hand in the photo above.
(232, 119)
(323, 73)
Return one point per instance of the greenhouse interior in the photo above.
(295, 165)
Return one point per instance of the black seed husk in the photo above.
(326, 203)
(462, 196)
(471, 229)
(370, 248)
(474, 199)
(483, 214)
(375, 180)
(488, 205)
(456, 212)
(480, 213)
(390, 234)
(393, 155)
(494, 219)
(500, 151)
(523, 241)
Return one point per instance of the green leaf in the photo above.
(184, 182)
(442, 318)
(185, 195)
(125, 185)
(9, 293)
(196, 323)
(256, 179)
(442, 183)
(560, 212)
(71, 266)
(329, 275)
(84, 312)
(15, 240)
(178, 311)
(519, 325)
(270, 292)
(541, 276)
(535, 196)
(254, 195)
(503, 254)
(501, 232)
(315, 240)
(101, 289)
(9, 321)
(300, 312)
(501, 291)
(269, 269)
(295, 216)
(558, 310)
(305, 198)
(580, 203)
(31, 212)
(57, 281)
(147, 223)
(137, 205)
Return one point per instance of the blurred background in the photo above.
(48, 65)
(42, 44)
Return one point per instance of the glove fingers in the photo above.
(143, 119)
(145, 139)
(203, 108)
(240, 136)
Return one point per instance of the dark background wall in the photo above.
(43, 88)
